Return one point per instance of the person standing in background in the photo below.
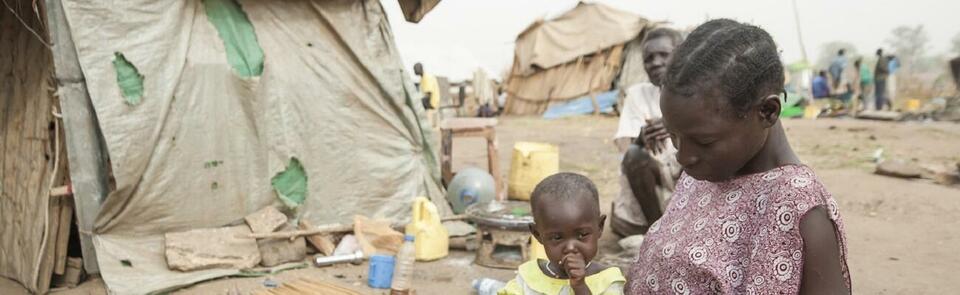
(892, 65)
(836, 68)
(866, 84)
(880, 74)
(431, 93)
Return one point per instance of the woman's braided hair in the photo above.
(741, 59)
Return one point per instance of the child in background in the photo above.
(747, 217)
(567, 221)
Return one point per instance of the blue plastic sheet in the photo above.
(583, 106)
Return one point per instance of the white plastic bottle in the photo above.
(403, 273)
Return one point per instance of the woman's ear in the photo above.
(769, 110)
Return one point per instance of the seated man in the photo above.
(649, 167)
(951, 110)
(821, 89)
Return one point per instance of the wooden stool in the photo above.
(470, 127)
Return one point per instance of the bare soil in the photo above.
(903, 235)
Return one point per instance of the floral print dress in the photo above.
(740, 236)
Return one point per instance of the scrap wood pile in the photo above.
(268, 238)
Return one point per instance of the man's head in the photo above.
(858, 62)
(658, 45)
(841, 52)
(822, 73)
(566, 215)
(418, 69)
(879, 51)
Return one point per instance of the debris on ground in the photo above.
(348, 244)
(880, 115)
(211, 248)
(278, 251)
(325, 243)
(307, 286)
(266, 220)
(376, 236)
(899, 168)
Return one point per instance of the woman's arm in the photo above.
(822, 265)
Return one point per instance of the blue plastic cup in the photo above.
(381, 271)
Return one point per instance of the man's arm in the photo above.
(822, 265)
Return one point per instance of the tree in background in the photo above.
(921, 75)
(909, 44)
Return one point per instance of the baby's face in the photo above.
(568, 227)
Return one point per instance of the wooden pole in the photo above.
(85, 147)
(328, 229)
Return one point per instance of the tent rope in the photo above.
(25, 25)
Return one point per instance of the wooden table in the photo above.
(470, 127)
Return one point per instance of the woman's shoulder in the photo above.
(789, 193)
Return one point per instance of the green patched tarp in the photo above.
(129, 79)
(239, 38)
(235, 91)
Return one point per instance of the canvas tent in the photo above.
(153, 92)
(580, 52)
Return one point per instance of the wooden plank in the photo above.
(48, 259)
(330, 229)
(38, 183)
(446, 156)
(85, 149)
(63, 235)
(493, 163)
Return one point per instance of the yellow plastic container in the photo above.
(536, 250)
(431, 239)
(531, 163)
(913, 105)
(811, 112)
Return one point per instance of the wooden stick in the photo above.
(61, 191)
(328, 229)
(63, 235)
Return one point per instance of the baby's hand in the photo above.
(575, 267)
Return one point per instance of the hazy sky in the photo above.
(461, 35)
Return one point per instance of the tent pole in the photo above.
(85, 148)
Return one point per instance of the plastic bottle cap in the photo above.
(408, 238)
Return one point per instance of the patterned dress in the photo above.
(740, 236)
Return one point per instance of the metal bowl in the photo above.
(508, 215)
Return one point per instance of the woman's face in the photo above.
(713, 143)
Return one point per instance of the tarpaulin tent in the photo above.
(153, 92)
(577, 53)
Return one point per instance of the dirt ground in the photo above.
(903, 235)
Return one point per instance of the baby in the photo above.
(567, 221)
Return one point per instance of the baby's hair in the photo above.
(741, 59)
(659, 32)
(564, 186)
